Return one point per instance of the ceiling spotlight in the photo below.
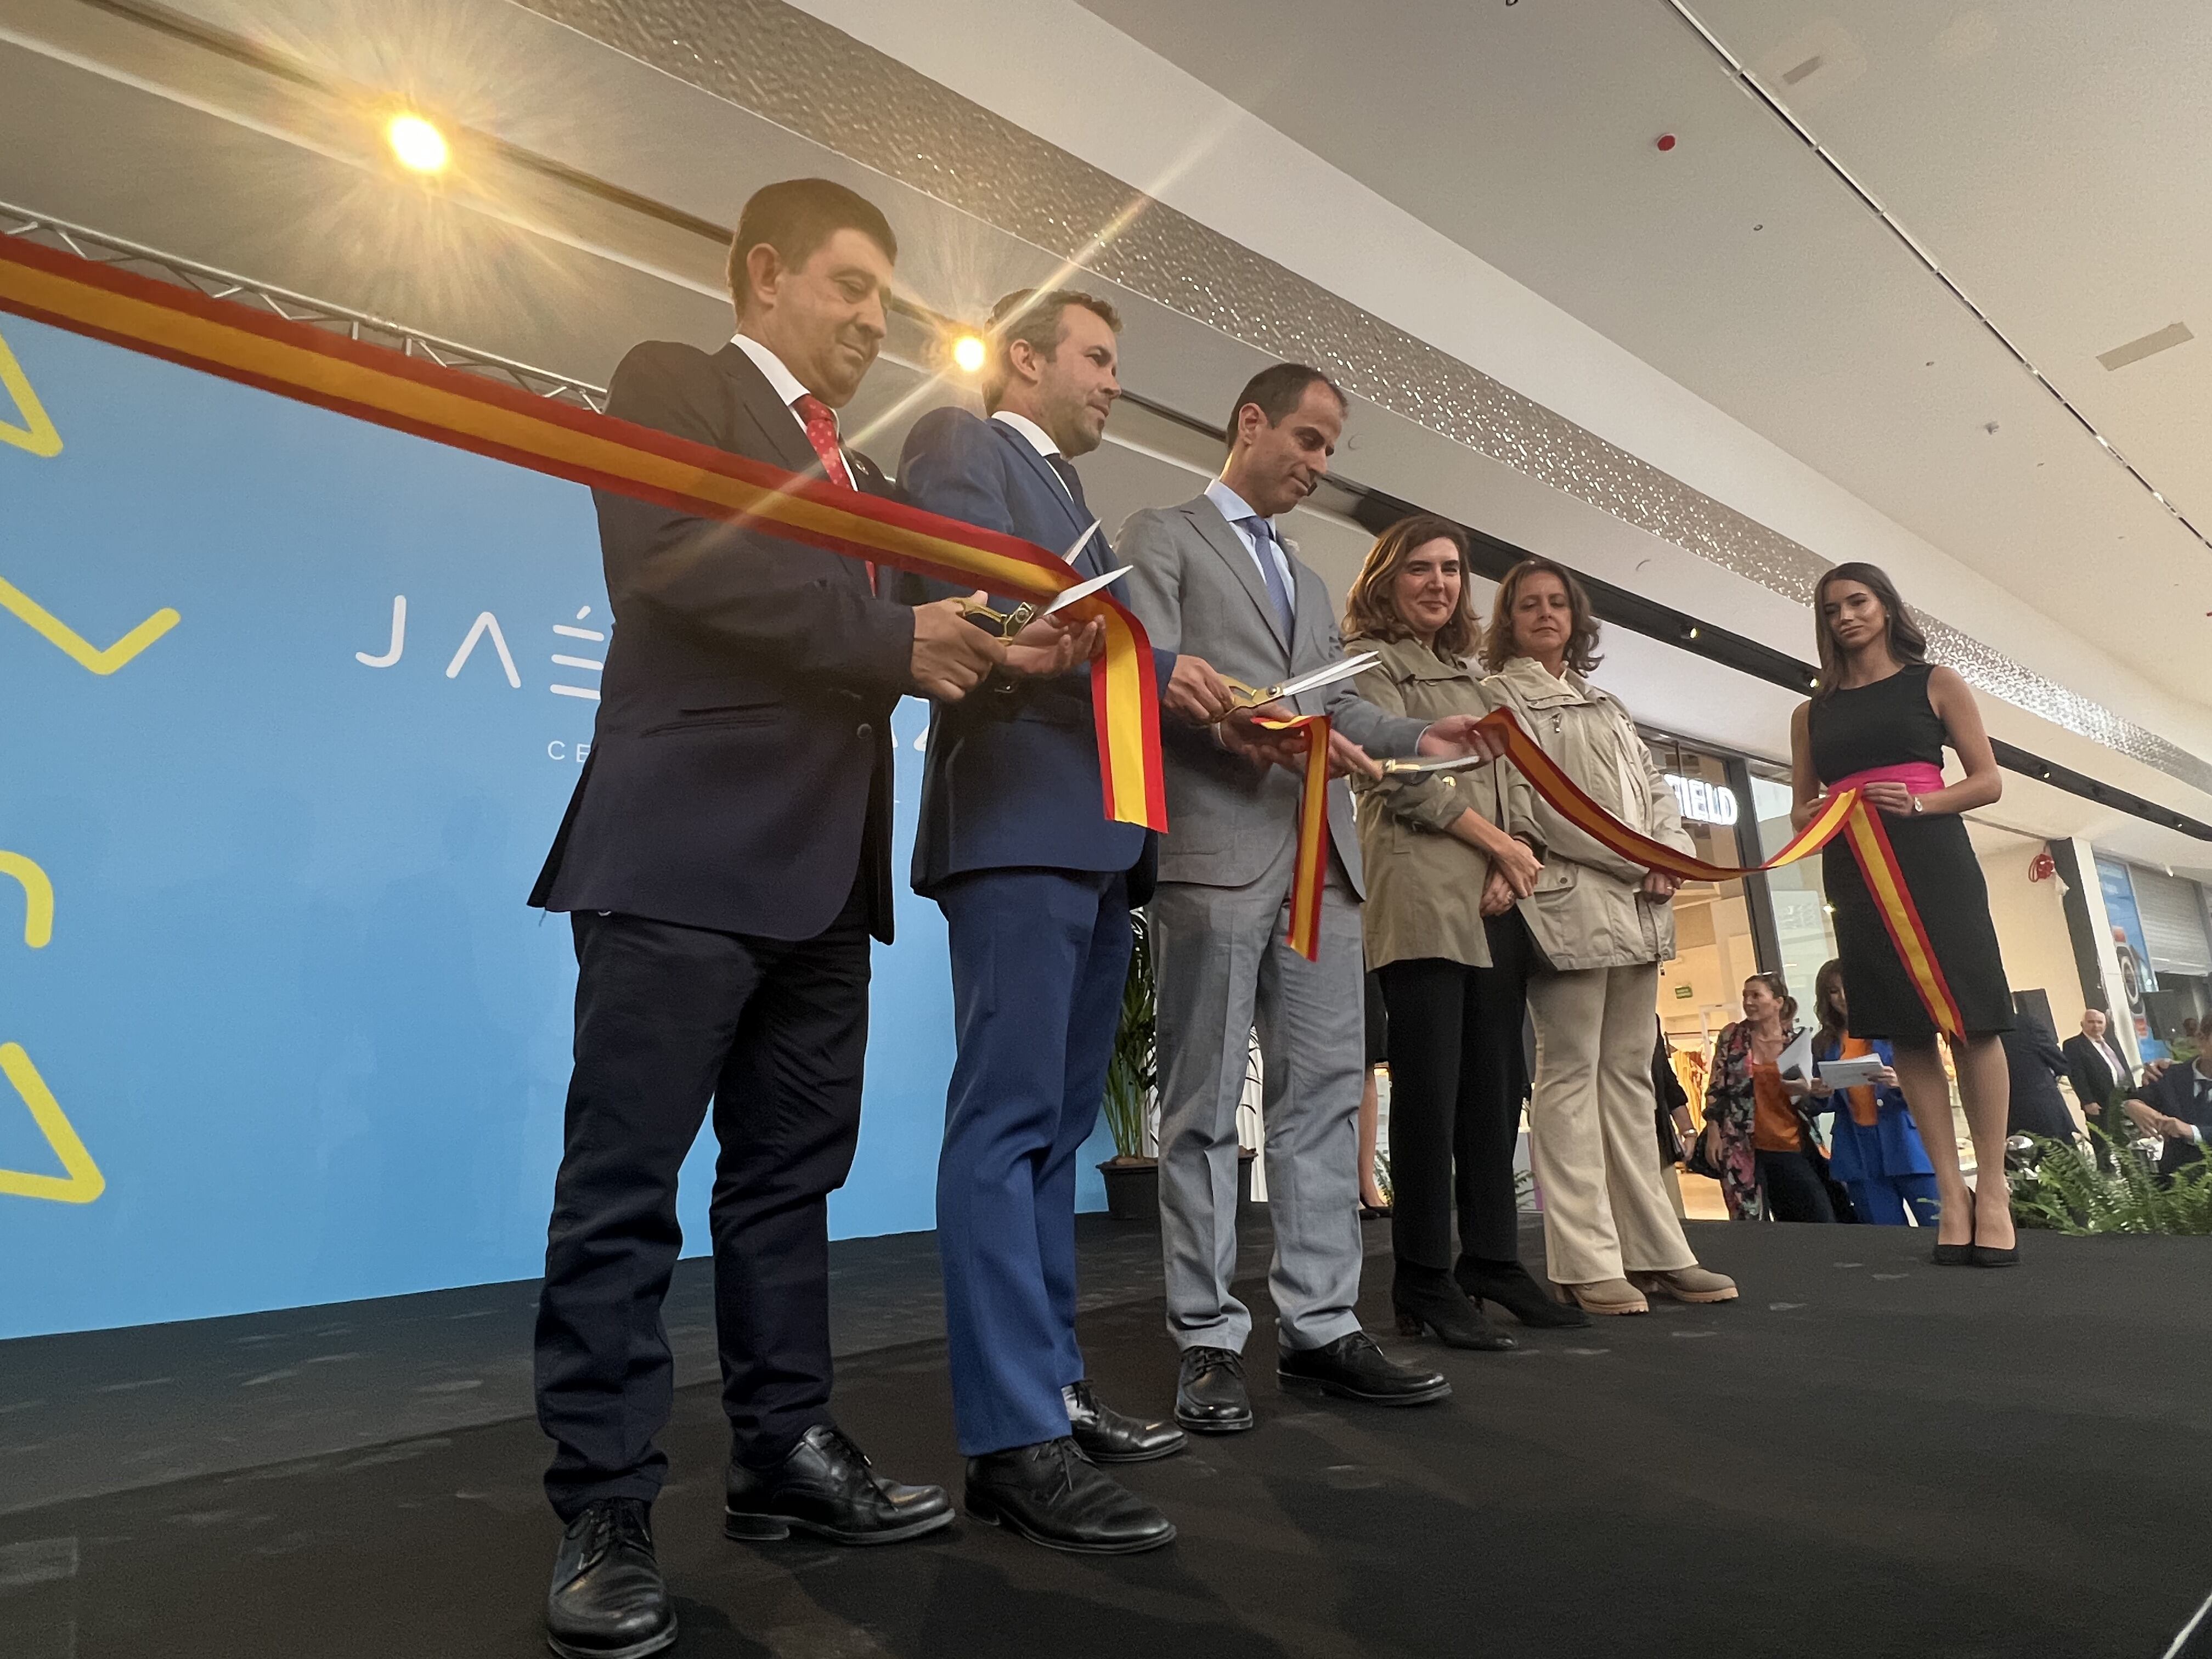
(420, 147)
(968, 353)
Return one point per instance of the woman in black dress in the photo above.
(1879, 720)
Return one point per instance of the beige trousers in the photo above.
(1591, 1135)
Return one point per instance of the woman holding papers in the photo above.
(1880, 719)
(1757, 1127)
(1600, 927)
(1873, 1148)
(1453, 969)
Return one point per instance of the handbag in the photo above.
(1698, 1161)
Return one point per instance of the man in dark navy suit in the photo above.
(1037, 885)
(725, 860)
(2177, 1107)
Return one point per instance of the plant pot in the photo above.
(1132, 1186)
(1132, 1189)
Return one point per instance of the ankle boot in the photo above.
(1427, 1299)
(1512, 1288)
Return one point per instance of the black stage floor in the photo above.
(1865, 1456)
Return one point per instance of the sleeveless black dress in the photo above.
(1890, 723)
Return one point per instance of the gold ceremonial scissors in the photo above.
(1247, 697)
(1011, 622)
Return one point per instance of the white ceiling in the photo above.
(2052, 156)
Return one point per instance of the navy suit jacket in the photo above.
(740, 772)
(2175, 1095)
(1011, 778)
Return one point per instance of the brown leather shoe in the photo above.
(1691, 1284)
(1608, 1295)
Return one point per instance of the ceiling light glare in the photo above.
(420, 147)
(968, 353)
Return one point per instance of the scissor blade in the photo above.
(1328, 676)
(1457, 763)
(1084, 590)
(1076, 546)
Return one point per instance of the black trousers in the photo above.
(1456, 1084)
(1794, 1191)
(774, 1033)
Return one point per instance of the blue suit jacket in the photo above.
(1011, 778)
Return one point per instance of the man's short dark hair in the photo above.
(795, 217)
(1038, 320)
(1278, 390)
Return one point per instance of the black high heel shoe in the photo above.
(1513, 1288)
(1991, 1256)
(1430, 1299)
(1959, 1256)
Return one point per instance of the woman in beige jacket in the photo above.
(1601, 926)
(1452, 977)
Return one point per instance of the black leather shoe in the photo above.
(1429, 1298)
(1110, 1437)
(827, 1487)
(1210, 1394)
(1053, 1495)
(1513, 1288)
(608, 1599)
(1353, 1368)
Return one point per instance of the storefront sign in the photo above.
(1702, 802)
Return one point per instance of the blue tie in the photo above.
(1263, 539)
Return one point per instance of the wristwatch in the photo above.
(1916, 806)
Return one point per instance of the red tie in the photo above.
(821, 432)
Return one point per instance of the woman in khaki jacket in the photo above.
(1452, 980)
(1601, 926)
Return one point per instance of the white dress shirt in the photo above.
(2112, 1061)
(1036, 437)
(781, 379)
(1233, 506)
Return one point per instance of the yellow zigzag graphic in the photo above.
(81, 650)
(37, 432)
(83, 1182)
(38, 898)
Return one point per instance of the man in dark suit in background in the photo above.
(725, 859)
(2177, 1107)
(2095, 1067)
(1037, 885)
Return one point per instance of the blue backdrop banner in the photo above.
(289, 708)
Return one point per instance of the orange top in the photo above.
(1774, 1125)
(1864, 1109)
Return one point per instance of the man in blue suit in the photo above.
(1037, 885)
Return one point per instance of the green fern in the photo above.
(2066, 1190)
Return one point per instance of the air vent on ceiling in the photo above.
(2150, 345)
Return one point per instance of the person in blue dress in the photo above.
(1873, 1148)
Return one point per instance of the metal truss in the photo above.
(49, 232)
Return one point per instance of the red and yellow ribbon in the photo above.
(1846, 814)
(1311, 874)
(466, 411)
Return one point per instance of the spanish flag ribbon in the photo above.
(1846, 814)
(466, 411)
(1311, 874)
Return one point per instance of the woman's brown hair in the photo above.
(1370, 609)
(1582, 639)
(1781, 992)
(1826, 984)
(1907, 644)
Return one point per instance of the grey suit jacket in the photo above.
(1193, 583)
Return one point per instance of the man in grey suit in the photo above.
(1214, 576)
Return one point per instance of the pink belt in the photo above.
(1918, 776)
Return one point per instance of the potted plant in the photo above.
(1133, 1174)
